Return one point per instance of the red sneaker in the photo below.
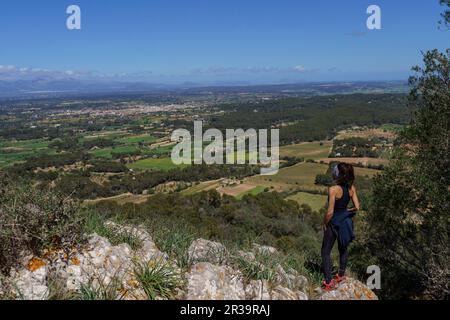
(328, 286)
(339, 279)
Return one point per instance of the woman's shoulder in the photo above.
(333, 189)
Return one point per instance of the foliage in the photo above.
(32, 219)
(354, 147)
(446, 14)
(267, 217)
(263, 267)
(408, 221)
(94, 223)
(107, 292)
(159, 279)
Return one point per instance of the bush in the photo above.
(408, 221)
(32, 220)
(107, 292)
(159, 279)
(263, 267)
(175, 242)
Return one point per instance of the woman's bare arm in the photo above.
(330, 211)
(355, 200)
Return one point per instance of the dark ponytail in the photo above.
(344, 174)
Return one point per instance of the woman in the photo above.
(338, 223)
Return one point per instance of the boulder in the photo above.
(30, 283)
(257, 290)
(350, 289)
(206, 281)
(291, 279)
(258, 249)
(282, 293)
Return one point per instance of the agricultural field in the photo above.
(300, 175)
(121, 199)
(164, 164)
(366, 172)
(388, 132)
(109, 140)
(106, 134)
(109, 152)
(315, 201)
(145, 138)
(17, 151)
(255, 191)
(202, 186)
(307, 150)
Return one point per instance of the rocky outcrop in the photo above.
(350, 289)
(30, 284)
(282, 293)
(202, 250)
(98, 264)
(258, 290)
(214, 274)
(211, 282)
(263, 290)
(291, 279)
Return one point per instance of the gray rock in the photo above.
(291, 279)
(350, 289)
(257, 290)
(202, 250)
(282, 293)
(30, 285)
(258, 249)
(211, 282)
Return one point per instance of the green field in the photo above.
(300, 175)
(202, 186)
(315, 201)
(16, 151)
(366, 172)
(114, 134)
(144, 138)
(163, 164)
(307, 150)
(108, 152)
(255, 191)
(392, 127)
(163, 150)
(25, 144)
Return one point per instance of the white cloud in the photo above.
(299, 68)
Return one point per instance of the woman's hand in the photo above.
(324, 227)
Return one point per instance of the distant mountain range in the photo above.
(49, 87)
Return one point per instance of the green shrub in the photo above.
(174, 242)
(32, 220)
(159, 279)
(102, 292)
(263, 267)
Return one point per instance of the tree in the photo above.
(408, 220)
(446, 14)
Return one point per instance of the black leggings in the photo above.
(327, 245)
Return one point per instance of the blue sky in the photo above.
(217, 40)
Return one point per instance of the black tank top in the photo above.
(342, 203)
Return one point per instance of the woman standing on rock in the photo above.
(338, 223)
